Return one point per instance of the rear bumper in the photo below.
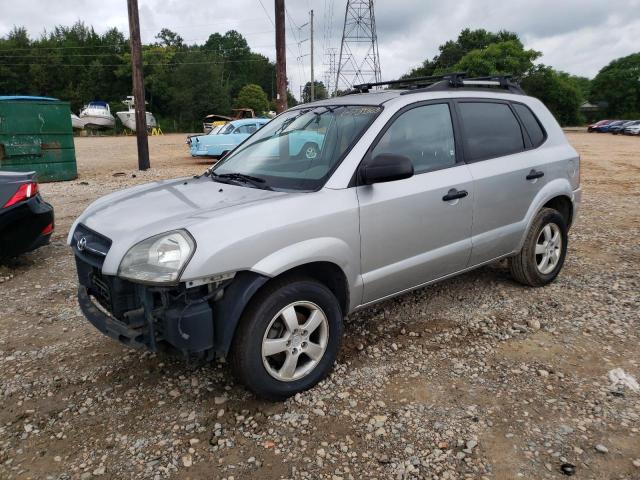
(22, 226)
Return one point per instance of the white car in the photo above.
(633, 129)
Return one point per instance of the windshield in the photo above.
(299, 149)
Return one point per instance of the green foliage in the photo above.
(183, 83)
(503, 58)
(320, 92)
(618, 84)
(291, 101)
(252, 96)
(557, 91)
(480, 53)
(453, 51)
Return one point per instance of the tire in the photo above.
(263, 325)
(527, 267)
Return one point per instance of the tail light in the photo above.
(47, 230)
(24, 192)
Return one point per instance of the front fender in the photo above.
(324, 249)
(555, 188)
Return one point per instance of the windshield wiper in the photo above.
(244, 178)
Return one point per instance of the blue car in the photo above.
(228, 137)
(607, 128)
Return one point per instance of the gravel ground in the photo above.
(476, 377)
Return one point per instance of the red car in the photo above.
(601, 123)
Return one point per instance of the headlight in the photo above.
(159, 259)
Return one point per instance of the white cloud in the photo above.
(578, 36)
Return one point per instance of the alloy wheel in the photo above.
(548, 248)
(295, 341)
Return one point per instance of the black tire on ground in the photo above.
(524, 266)
(246, 352)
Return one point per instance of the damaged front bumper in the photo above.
(142, 316)
(198, 322)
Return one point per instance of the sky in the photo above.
(577, 36)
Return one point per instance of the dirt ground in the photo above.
(476, 377)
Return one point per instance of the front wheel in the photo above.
(544, 250)
(288, 338)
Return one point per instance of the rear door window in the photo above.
(531, 124)
(490, 130)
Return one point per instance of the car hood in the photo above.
(132, 215)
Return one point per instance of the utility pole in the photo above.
(281, 58)
(138, 85)
(313, 81)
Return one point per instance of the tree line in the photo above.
(186, 82)
(183, 82)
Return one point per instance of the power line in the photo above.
(267, 14)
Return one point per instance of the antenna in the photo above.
(359, 60)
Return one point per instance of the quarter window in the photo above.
(425, 135)
(491, 130)
(531, 124)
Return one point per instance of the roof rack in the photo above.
(445, 82)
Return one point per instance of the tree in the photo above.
(320, 91)
(452, 51)
(557, 91)
(482, 53)
(503, 58)
(252, 96)
(618, 84)
(169, 38)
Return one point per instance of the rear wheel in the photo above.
(545, 247)
(288, 338)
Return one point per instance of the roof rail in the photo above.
(445, 82)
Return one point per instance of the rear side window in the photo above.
(491, 130)
(531, 124)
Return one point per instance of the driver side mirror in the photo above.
(385, 167)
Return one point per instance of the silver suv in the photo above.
(329, 208)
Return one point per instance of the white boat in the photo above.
(128, 117)
(97, 115)
(76, 122)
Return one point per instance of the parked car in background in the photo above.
(262, 257)
(214, 131)
(633, 129)
(26, 220)
(593, 126)
(215, 120)
(228, 137)
(607, 127)
(616, 129)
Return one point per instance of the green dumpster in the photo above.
(36, 135)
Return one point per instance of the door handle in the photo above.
(533, 174)
(454, 194)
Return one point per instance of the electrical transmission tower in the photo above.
(330, 69)
(359, 61)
